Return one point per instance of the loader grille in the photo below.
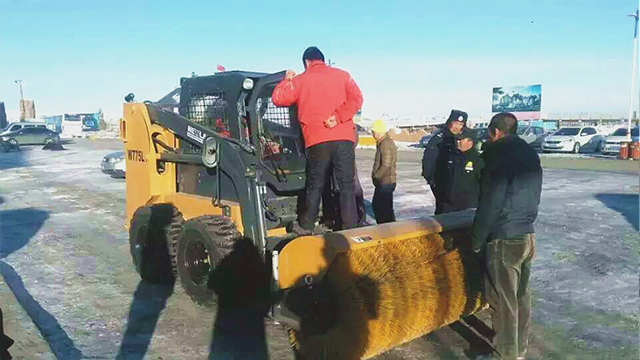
(209, 110)
(271, 113)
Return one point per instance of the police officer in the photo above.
(441, 144)
(457, 177)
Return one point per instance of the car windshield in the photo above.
(482, 133)
(620, 132)
(521, 130)
(568, 131)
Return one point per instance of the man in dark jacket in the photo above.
(440, 144)
(457, 177)
(383, 173)
(510, 189)
(327, 99)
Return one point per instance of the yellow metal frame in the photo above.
(145, 185)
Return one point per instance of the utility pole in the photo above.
(23, 110)
(634, 67)
(19, 82)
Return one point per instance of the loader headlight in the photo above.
(247, 84)
(210, 155)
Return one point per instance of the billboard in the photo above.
(27, 109)
(524, 101)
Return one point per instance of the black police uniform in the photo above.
(437, 150)
(457, 178)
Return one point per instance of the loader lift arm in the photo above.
(239, 163)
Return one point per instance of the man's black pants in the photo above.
(383, 203)
(340, 154)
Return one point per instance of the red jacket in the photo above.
(319, 92)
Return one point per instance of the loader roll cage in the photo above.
(259, 145)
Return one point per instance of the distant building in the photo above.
(3, 116)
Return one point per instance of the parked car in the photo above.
(612, 142)
(572, 139)
(33, 135)
(113, 164)
(482, 136)
(533, 135)
(425, 139)
(15, 126)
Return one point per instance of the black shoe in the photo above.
(299, 230)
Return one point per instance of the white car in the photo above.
(572, 139)
(612, 144)
(113, 164)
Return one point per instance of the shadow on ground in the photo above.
(241, 284)
(13, 159)
(17, 227)
(148, 302)
(625, 204)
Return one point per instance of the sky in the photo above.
(410, 58)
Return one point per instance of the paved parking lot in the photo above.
(69, 289)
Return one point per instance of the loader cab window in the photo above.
(279, 134)
(209, 110)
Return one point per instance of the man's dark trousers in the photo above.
(443, 208)
(507, 292)
(383, 203)
(340, 154)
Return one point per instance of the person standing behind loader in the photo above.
(383, 173)
(510, 188)
(439, 144)
(457, 176)
(327, 99)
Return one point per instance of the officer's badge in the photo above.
(469, 166)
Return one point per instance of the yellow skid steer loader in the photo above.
(228, 168)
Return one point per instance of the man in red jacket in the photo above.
(327, 99)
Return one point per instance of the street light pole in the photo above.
(19, 82)
(634, 67)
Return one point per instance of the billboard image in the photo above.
(517, 99)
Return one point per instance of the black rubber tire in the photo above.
(576, 148)
(154, 232)
(204, 242)
(13, 144)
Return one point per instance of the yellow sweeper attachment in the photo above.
(363, 291)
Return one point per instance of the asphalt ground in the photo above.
(69, 290)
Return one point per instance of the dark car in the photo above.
(482, 135)
(425, 139)
(31, 136)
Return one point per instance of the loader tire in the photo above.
(204, 242)
(153, 236)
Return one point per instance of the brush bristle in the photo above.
(395, 292)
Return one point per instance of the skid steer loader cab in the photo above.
(223, 104)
